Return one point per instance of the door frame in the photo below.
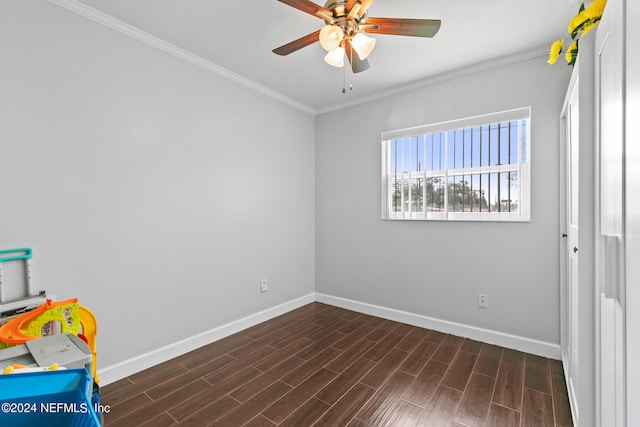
(563, 242)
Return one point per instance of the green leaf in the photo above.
(574, 55)
(577, 30)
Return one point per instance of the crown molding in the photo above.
(137, 34)
(443, 77)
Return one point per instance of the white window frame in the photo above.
(522, 168)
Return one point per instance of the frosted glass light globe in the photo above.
(330, 37)
(335, 58)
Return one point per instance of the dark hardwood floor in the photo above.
(326, 366)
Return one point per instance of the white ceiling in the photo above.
(239, 36)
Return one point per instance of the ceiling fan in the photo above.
(346, 21)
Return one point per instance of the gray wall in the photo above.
(159, 193)
(436, 269)
(156, 192)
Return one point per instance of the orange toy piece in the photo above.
(89, 331)
(37, 322)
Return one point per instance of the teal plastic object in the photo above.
(27, 254)
(49, 398)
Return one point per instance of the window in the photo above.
(473, 169)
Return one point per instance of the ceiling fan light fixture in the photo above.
(363, 45)
(345, 24)
(335, 58)
(330, 37)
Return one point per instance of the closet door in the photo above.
(632, 207)
(610, 238)
(570, 289)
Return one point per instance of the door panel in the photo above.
(570, 285)
(610, 245)
(632, 208)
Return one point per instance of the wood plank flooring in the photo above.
(326, 366)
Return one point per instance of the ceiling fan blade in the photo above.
(309, 7)
(297, 44)
(357, 65)
(402, 27)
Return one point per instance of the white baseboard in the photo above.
(128, 367)
(502, 339)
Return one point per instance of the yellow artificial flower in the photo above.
(554, 52)
(571, 52)
(588, 27)
(584, 21)
(596, 9)
(588, 17)
(575, 22)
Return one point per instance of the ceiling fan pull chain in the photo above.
(344, 79)
(344, 74)
(351, 69)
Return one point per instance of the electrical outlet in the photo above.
(483, 301)
(264, 285)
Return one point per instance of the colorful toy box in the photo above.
(48, 398)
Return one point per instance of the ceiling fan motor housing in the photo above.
(341, 18)
(338, 7)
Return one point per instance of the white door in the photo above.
(569, 286)
(610, 244)
(632, 208)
